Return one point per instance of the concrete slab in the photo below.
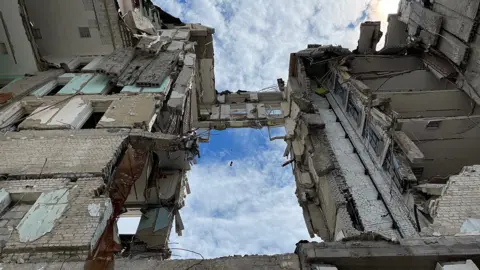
(129, 112)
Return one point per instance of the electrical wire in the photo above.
(195, 264)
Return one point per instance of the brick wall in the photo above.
(460, 201)
(29, 153)
(72, 232)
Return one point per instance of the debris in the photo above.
(288, 162)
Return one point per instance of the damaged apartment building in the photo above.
(96, 124)
(102, 111)
(103, 105)
(385, 143)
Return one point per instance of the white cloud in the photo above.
(250, 208)
(254, 38)
(247, 208)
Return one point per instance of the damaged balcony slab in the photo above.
(372, 212)
(130, 112)
(78, 152)
(391, 198)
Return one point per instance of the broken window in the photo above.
(433, 124)
(55, 90)
(84, 32)
(237, 112)
(36, 33)
(389, 165)
(418, 171)
(354, 111)
(340, 91)
(93, 120)
(375, 141)
(275, 113)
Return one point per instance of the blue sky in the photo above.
(250, 207)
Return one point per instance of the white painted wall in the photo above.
(24, 56)
(58, 21)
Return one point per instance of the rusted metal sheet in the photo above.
(106, 216)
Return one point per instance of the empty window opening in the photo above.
(433, 124)
(3, 48)
(115, 90)
(376, 142)
(93, 120)
(418, 172)
(5, 82)
(80, 67)
(55, 90)
(36, 33)
(84, 32)
(353, 111)
(275, 113)
(340, 91)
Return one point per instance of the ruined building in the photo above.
(104, 103)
